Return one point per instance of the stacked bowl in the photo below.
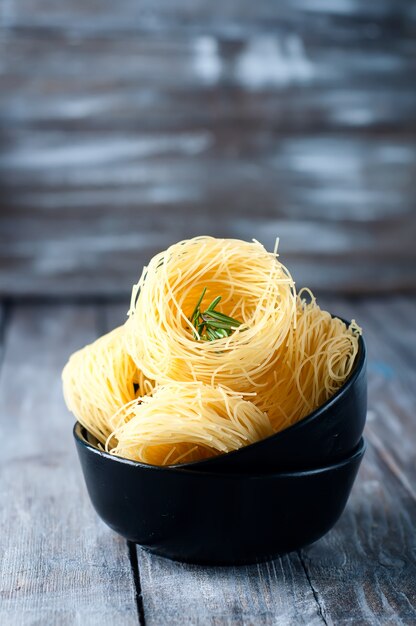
(247, 506)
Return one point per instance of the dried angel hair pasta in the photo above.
(255, 288)
(317, 358)
(165, 388)
(99, 379)
(187, 421)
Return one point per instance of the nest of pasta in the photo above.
(218, 352)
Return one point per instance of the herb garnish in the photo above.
(211, 324)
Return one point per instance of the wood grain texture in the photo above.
(388, 325)
(59, 564)
(230, 17)
(3, 323)
(113, 315)
(293, 80)
(275, 593)
(125, 129)
(55, 549)
(364, 570)
(377, 567)
(85, 219)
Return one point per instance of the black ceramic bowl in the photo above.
(325, 436)
(214, 518)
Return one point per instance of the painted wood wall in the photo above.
(125, 126)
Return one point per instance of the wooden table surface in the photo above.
(60, 564)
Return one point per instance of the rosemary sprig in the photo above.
(211, 324)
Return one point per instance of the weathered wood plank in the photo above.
(114, 314)
(111, 144)
(388, 325)
(2, 330)
(275, 593)
(231, 17)
(83, 219)
(288, 79)
(58, 562)
(364, 570)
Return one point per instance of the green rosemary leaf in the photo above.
(195, 314)
(222, 325)
(220, 317)
(213, 304)
(212, 335)
(222, 333)
(211, 325)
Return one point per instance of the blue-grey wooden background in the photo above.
(127, 125)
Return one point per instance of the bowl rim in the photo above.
(361, 361)
(81, 440)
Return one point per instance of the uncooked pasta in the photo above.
(99, 379)
(317, 358)
(187, 421)
(255, 289)
(217, 353)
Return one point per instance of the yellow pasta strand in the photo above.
(256, 289)
(317, 358)
(152, 391)
(188, 421)
(98, 380)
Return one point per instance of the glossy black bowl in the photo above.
(213, 518)
(325, 436)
